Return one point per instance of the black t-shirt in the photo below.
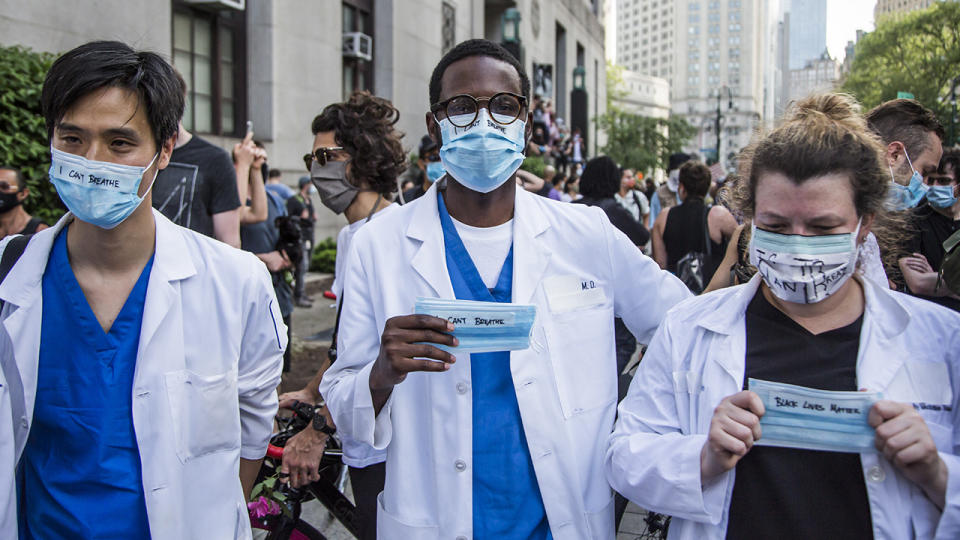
(413, 193)
(200, 181)
(788, 493)
(932, 229)
(619, 217)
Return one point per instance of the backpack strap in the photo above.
(15, 248)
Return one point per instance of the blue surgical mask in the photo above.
(906, 197)
(799, 417)
(435, 171)
(98, 192)
(941, 196)
(483, 155)
(482, 326)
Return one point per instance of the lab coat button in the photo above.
(23, 421)
(460, 465)
(461, 388)
(876, 474)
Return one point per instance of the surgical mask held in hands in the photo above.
(483, 155)
(482, 326)
(98, 192)
(799, 417)
(803, 269)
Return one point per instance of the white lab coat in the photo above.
(566, 382)
(204, 387)
(909, 350)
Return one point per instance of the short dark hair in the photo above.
(476, 47)
(21, 181)
(102, 64)
(364, 126)
(695, 178)
(907, 121)
(600, 178)
(951, 160)
(274, 173)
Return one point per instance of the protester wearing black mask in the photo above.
(13, 218)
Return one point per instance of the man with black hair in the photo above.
(138, 360)
(426, 171)
(276, 185)
(198, 190)
(496, 444)
(301, 206)
(13, 192)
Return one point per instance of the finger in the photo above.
(748, 400)
(426, 336)
(918, 453)
(737, 430)
(882, 411)
(425, 350)
(894, 426)
(248, 138)
(287, 403)
(408, 365)
(728, 443)
(428, 322)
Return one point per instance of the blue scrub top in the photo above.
(507, 503)
(80, 471)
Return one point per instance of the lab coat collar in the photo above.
(530, 257)
(877, 303)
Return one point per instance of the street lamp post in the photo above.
(720, 112)
(510, 30)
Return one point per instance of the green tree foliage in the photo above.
(635, 141)
(918, 52)
(23, 137)
(324, 257)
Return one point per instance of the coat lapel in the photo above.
(530, 257)
(429, 261)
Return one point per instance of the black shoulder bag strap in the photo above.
(706, 231)
(11, 255)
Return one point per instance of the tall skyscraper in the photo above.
(808, 31)
(645, 36)
(892, 7)
(721, 62)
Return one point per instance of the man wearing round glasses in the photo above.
(505, 444)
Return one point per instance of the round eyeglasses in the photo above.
(462, 110)
(322, 155)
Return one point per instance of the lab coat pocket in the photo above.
(942, 436)
(206, 412)
(584, 361)
(389, 527)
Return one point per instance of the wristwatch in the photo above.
(320, 424)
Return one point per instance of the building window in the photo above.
(449, 27)
(357, 72)
(694, 6)
(209, 52)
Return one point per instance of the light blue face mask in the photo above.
(799, 417)
(435, 170)
(483, 155)
(905, 197)
(941, 196)
(482, 326)
(97, 192)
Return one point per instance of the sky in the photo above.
(844, 18)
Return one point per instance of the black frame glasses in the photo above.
(322, 155)
(461, 100)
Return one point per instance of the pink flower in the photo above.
(263, 507)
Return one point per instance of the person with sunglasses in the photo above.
(498, 444)
(13, 192)
(354, 164)
(423, 173)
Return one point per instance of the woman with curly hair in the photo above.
(811, 401)
(354, 164)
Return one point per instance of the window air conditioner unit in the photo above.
(357, 45)
(217, 5)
